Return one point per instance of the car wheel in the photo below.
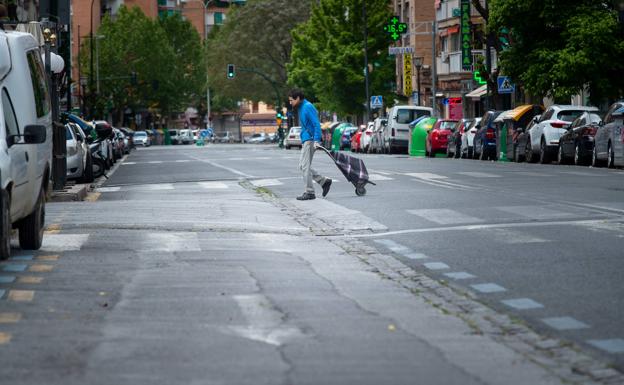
(595, 161)
(87, 176)
(31, 227)
(578, 157)
(5, 225)
(560, 155)
(98, 166)
(287, 147)
(470, 152)
(543, 158)
(457, 153)
(610, 156)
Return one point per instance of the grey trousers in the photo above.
(305, 165)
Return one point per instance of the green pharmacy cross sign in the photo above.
(395, 29)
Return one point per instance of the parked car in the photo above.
(397, 133)
(544, 136)
(128, 139)
(577, 144)
(453, 146)
(293, 139)
(225, 138)
(484, 143)
(141, 138)
(78, 159)
(377, 141)
(609, 139)
(119, 143)
(367, 136)
(258, 138)
(467, 139)
(345, 140)
(356, 139)
(185, 136)
(25, 141)
(509, 125)
(437, 137)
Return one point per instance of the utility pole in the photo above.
(91, 98)
(488, 62)
(366, 62)
(434, 73)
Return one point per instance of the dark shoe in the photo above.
(326, 187)
(306, 196)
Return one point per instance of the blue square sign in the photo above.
(505, 86)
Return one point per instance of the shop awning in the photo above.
(476, 94)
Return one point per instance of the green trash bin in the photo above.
(337, 136)
(418, 137)
(167, 137)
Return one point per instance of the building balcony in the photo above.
(450, 9)
(450, 62)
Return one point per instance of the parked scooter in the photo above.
(99, 159)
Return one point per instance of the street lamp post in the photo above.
(91, 98)
(418, 61)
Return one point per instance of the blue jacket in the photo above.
(310, 126)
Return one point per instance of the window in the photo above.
(218, 18)
(405, 116)
(39, 83)
(10, 120)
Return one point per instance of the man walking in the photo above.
(310, 135)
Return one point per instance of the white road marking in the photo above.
(234, 171)
(481, 227)
(170, 242)
(532, 173)
(378, 177)
(488, 288)
(522, 303)
(444, 216)
(213, 185)
(425, 175)
(514, 237)
(108, 189)
(534, 212)
(266, 182)
(392, 245)
(155, 162)
(615, 345)
(63, 242)
(581, 173)
(182, 161)
(479, 174)
(153, 187)
(265, 324)
(128, 163)
(436, 265)
(460, 275)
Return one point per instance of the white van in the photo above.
(396, 133)
(185, 136)
(25, 141)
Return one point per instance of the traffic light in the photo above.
(230, 71)
(278, 118)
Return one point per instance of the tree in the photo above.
(560, 47)
(255, 36)
(328, 54)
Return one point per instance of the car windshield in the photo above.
(594, 118)
(405, 116)
(447, 125)
(295, 130)
(140, 133)
(173, 132)
(569, 116)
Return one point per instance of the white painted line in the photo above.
(264, 322)
(234, 171)
(564, 323)
(581, 173)
(108, 189)
(534, 212)
(154, 187)
(170, 242)
(436, 265)
(425, 175)
(615, 345)
(63, 242)
(479, 174)
(378, 177)
(460, 275)
(414, 255)
(392, 245)
(483, 227)
(128, 163)
(213, 185)
(522, 303)
(532, 173)
(488, 288)
(155, 162)
(513, 237)
(182, 161)
(266, 182)
(444, 216)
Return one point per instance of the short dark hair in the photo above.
(296, 93)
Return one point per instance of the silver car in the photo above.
(79, 164)
(609, 139)
(141, 138)
(293, 139)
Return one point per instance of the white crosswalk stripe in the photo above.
(444, 216)
(475, 174)
(534, 212)
(213, 185)
(266, 182)
(378, 177)
(425, 175)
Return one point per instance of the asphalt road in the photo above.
(543, 243)
(176, 272)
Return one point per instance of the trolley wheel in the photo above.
(360, 191)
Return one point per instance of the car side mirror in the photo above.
(33, 134)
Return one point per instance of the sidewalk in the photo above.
(244, 288)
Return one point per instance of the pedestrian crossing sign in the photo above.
(505, 86)
(376, 101)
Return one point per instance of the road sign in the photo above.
(400, 50)
(407, 75)
(505, 86)
(376, 101)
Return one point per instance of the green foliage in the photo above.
(558, 47)
(166, 56)
(256, 35)
(328, 54)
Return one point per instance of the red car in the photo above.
(437, 137)
(356, 144)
